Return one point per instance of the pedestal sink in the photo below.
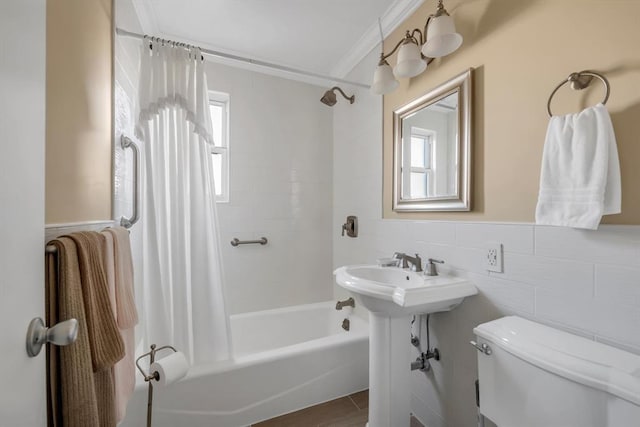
(393, 295)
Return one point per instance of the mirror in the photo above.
(432, 149)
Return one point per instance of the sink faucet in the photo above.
(349, 302)
(414, 263)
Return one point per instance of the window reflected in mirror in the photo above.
(418, 186)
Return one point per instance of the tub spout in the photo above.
(349, 302)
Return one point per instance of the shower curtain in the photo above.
(183, 301)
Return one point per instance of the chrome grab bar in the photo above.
(236, 241)
(126, 142)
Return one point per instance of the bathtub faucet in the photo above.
(349, 302)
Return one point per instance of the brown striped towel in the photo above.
(81, 383)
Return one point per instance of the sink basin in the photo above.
(399, 292)
(392, 295)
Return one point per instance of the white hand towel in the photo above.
(580, 177)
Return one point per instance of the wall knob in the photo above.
(64, 333)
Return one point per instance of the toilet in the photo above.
(531, 375)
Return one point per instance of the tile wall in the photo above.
(585, 282)
(281, 152)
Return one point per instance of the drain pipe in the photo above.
(422, 362)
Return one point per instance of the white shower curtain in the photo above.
(183, 297)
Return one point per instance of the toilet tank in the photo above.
(537, 376)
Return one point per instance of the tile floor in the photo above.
(348, 411)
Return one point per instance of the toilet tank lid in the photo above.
(579, 359)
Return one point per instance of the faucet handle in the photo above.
(416, 264)
(398, 255)
(430, 268)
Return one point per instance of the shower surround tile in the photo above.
(280, 187)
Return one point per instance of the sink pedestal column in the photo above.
(389, 371)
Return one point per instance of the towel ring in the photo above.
(580, 81)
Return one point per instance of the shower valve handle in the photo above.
(351, 226)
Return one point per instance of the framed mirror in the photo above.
(432, 149)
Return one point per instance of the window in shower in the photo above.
(219, 109)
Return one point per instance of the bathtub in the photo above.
(284, 360)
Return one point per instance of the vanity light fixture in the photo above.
(416, 50)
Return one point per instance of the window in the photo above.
(219, 109)
(421, 169)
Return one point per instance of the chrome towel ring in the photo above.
(580, 81)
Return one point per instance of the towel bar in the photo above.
(51, 249)
(236, 241)
(580, 81)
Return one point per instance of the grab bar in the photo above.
(236, 241)
(127, 142)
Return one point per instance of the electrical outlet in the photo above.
(493, 261)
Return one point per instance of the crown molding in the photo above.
(391, 19)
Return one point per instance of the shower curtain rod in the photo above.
(125, 33)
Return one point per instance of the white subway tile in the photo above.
(618, 284)
(565, 308)
(432, 232)
(563, 327)
(515, 295)
(561, 275)
(514, 237)
(461, 408)
(603, 318)
(618, 322)
(621, 345)
(392, 237)
(424, 414)
(608, 245)
(459, 258)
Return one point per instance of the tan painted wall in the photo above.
(78, 115)
(520, 51)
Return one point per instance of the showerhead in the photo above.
(329, 98)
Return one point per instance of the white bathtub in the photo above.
(284, 360)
